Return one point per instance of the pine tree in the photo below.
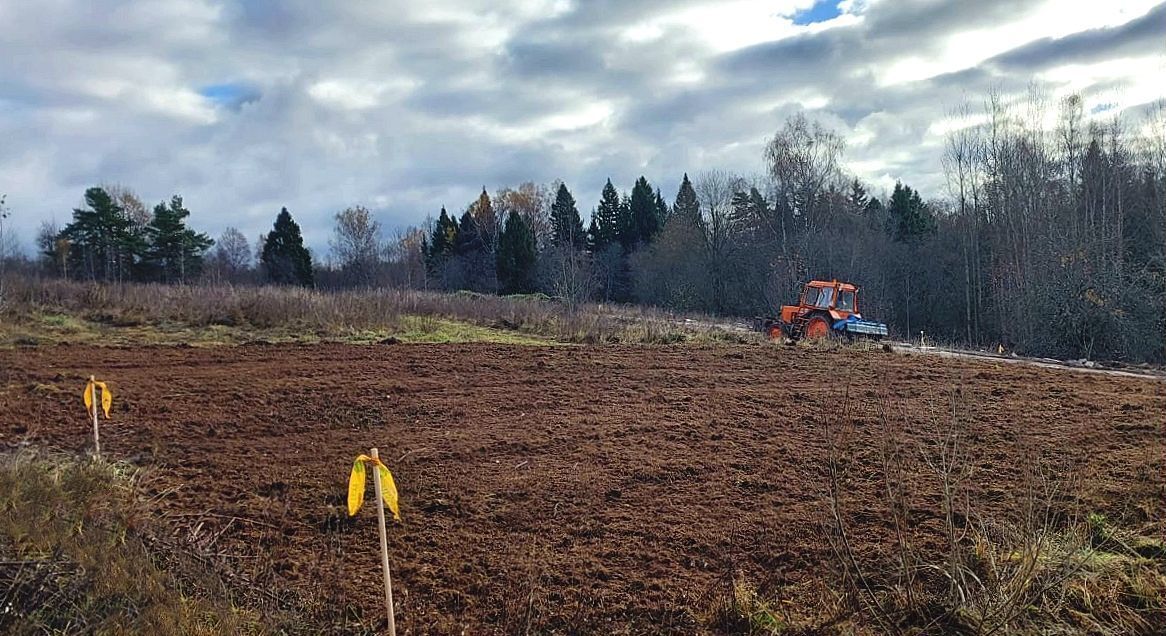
(516, 257)
(686, 203)
(175, 252)
(284, 257)
(566, 226)
(605, 220)
(102, 243)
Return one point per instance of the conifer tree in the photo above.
(101, 242)
(661, 209)
(485, 220)
(908, 218)
(174, 251)
(644, 223)
(468, 240)
(686, 203)
(439, 246)
(284, 257)
(625, 226)
(516, 257)
(605, 220)
(566, 226)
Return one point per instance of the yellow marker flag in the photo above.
(389, 490)
(88, 396)
(356, 486)
(106, 398)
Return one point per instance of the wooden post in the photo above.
(93, 398)
(376, 480)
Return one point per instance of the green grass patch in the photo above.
(427, 329)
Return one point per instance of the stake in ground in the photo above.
(386, 491)
(90, 399)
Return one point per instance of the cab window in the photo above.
(846, 301)
(825, 298)
(811, 298)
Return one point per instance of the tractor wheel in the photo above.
(775, 332)
(817, 328)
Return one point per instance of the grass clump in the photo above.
(75, 557)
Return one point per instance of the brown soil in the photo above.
(568, 489)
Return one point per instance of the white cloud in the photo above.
(407, 106)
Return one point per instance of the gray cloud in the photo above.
(1141, 36)
(245, 107)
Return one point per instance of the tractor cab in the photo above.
(837, 300)
(825, 307)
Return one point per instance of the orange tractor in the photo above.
(826, 308)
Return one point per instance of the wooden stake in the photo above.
(376, 480)
(93, 398)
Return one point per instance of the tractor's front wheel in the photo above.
(775, 332)
(817, 328)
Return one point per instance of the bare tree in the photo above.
(404, 253)
(568, 274)
(961, 162)
(131, 205)
(232, 257)
(355, 244)
(802, 158)
(714, 191)
(533, 202)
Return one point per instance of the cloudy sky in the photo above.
(244, 107)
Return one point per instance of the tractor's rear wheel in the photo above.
(817, 328)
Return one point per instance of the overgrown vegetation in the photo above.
(46, 311)
(77, 556)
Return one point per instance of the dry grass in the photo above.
(76, 557)
(1040, 568)
(43, 311)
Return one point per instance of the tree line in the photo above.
(1048, 240)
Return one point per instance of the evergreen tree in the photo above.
(485, 220)
(857, 197)
(686, 204)
(908, 218)
(625, 226)
(474, 267)
(593, 245)
(516, 256)
(605, 219)
(284, 257)
(643, 221)
(468, 240)
(174, 251)
(102, 243)
(661, 209)
(440, 245)
(566, 226)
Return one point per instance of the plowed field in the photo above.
(585, 489)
